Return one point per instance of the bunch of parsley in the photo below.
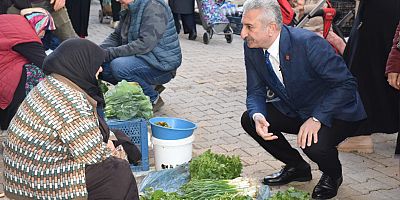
(215, 166)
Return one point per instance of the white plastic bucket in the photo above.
(170, 153)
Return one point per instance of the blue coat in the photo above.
(317, 81)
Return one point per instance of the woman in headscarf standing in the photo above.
(58, 147)
(21, 58)
(79, 12)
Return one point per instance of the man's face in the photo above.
(255, 31)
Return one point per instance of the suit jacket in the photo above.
(316, 80)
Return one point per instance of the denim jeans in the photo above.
(133, 69)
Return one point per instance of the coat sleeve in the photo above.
(84, 141)
(152, 28)
(332, 69)
(393, 62)
(256, 88)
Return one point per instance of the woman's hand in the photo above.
(110, 145)
(58, 4)
(394, 80)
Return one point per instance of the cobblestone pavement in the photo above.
(209, 89)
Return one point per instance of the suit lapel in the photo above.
(285, 46)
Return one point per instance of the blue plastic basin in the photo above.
(180, 128)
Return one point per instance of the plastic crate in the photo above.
(136, 129)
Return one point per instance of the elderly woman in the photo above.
(57, 143)
(21, 57)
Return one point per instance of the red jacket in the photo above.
(393, 62)
(14, 29)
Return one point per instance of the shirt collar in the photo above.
(274, 49)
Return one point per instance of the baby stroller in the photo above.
(213, 20)
(105, 14)
(328, 14)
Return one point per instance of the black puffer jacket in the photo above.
(181, 6)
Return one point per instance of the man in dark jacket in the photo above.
(144, 48)
(315, 97)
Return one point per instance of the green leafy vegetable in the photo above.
(291, 194)
(103, 86)
(163, 124)
(126, 101)
(215, 166)
(237, 189)
(150, 194)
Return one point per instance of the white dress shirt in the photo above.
(273, 51)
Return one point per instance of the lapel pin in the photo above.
(287, 57)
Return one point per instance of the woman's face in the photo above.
(98, 72)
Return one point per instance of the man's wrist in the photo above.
(315, 119)
(257, 116)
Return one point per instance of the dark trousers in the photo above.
(324, 153)
(189, 26)
(111, 179)
(19, 95)
(116, 8)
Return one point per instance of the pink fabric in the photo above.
(41, 21)
(14, 30)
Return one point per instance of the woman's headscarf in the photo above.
(79, 60)
(39, 18)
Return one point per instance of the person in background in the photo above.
(57, 131)
(184, 10)
(57, 10)
(314, 96)
(4, 5)
(144, 48)
(21, 58)
(115, 9)
(366, 55)
(79, 11)
(393, 72)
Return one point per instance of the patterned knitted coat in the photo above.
(51, 139)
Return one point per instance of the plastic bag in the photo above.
(168, 180)
(171, 180)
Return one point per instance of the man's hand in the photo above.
(307, 132)
(58, 4)
(394, 80)
(262, 128)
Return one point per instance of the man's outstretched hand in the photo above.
(262, 128)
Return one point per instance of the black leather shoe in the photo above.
(327, 187)
(192, 36)
(289, 174)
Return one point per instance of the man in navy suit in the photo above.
(297, 84)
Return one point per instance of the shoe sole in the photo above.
(284, 183)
